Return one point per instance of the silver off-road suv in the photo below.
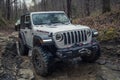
(51, 37)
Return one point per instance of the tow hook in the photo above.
(85, 51)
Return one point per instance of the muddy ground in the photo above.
(14, 67)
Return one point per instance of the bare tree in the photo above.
(8, 5)
(36, 6)
(43, 5)
(81, 8)
(106, 6)
(25, 10)
(69, 8)
(87, 8)
(16, 9)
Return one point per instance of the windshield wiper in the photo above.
(59, 23)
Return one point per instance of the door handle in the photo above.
(25, 31)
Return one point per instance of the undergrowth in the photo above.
(107, 24)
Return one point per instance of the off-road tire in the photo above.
(22, 48)
(91, 58)
(42, 61)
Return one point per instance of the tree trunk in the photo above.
(44, 4)
(25, 10)
(106, 6)
(16, 10)
(69, 8)
(87, 9)
(8, 9)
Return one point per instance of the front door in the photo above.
(29, 37)
(28, 31)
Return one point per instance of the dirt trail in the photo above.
(13, 67)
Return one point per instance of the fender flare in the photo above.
(22, 36)
(37, 41)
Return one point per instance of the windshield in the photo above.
(49, 18)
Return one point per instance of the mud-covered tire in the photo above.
(22, 48)
(92, 57)
(42, 61)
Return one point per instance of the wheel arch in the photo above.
(37, 41)
(22, 37)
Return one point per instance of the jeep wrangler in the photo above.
(52, 37)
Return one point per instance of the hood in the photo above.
(59, 27)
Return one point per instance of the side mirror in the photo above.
(17, 27)
(28, 25)
(94, 33)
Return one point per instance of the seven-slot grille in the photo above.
(74, 37)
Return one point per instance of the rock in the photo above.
(26, 74)
(1, 70)
(1, 34)
(4, 38)
(115, 67)
(118, 46)
(118, 52)
(14, 35)
(7, 77)
(107, 74)
(22, 79)
(109, 47)
(26, 63)
(101, 62)
(25, 79)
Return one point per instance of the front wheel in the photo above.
(42, 61)
(90, 58)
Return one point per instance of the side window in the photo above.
(27, 19)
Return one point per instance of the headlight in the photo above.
(88, 32)
(59, 37)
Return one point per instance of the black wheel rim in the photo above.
(38, 63)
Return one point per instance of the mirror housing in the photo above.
(17, 27)
(28, 25)
(94, 33)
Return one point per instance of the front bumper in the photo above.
(77, 51)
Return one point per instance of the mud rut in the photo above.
(14, 67)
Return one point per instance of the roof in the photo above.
(43, 12)
(25, 14)
(48, 12)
